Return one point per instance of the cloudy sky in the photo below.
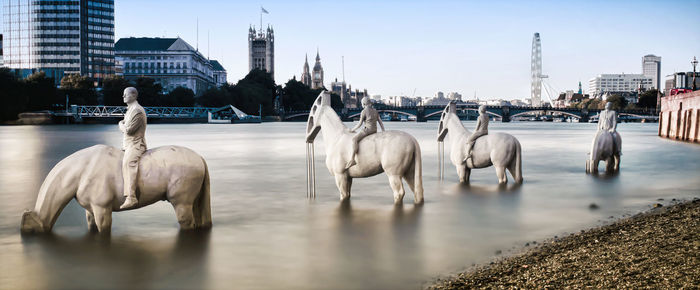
(396, 47)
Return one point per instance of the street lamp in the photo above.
(695, 63)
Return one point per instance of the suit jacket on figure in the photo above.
(134, 127)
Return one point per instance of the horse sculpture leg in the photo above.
(594, 165)
(185, 216)
(344, 183)
(501, 173)
(103, 218)
(463, 172)
(617, 162)
(397, 187)
(91, 224)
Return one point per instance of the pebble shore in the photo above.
(659, 248)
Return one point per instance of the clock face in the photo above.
(318, 75)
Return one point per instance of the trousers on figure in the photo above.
(356, 144)
(130, 168)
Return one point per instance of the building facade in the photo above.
(306, 75)
(219, 73)
(317, 75)
(59, 37)
(651, 67)
(170, 61)
(618, 83)
(261, 50)
(681, 82)
(1, 61)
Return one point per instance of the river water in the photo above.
(266, 234)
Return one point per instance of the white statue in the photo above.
(134, 145)
(607, 143)
(369, 117)
(93, 177)
(498, 149)
(482, 128)
(394, 152)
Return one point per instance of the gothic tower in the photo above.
(306, 76)
(261, 50)
(317, 76)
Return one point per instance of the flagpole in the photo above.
(261, 19)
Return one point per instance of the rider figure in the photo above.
(134, 145)
(482, 128)
(607, 121)
(369, 117)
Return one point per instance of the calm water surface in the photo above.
(267, 235)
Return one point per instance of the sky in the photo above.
(391, 48)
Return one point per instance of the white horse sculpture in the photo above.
(394, 152)
(498, 149)
(603, 148)
(93, 177)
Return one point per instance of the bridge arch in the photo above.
(385, 111)
(562, 112)
(463, 109)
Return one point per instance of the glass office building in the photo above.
(59, 37)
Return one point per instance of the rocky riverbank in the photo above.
(659, 248)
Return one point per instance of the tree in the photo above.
(216, 97)
(648, 99)
(618, 102)
(179, 97)
(80, 89)
(12, 99)
(150, 92)
(41, 92)
(113, 90)
(254, 90)
(297, 96)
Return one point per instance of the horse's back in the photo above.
(160, 169)
(384, 151)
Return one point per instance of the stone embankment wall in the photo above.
(680, 117)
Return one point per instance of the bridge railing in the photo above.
(159, 112)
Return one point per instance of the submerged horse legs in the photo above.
(501, 173)
(463, 172)
(91, 224)
(344, 182)
(185, 216)
(397, 187)
(103, 218)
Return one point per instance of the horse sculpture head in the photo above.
(450, 109)
(313, 126)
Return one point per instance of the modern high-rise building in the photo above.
(261, 50)
(306, 75)
(651, 67)
(59, 37)
(536, 71)
(317, 76)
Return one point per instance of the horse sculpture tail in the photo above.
(518, 164)
(202, 209)
(418, 173)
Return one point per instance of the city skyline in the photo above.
(392, 48)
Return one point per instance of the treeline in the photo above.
(647, 100)
(38, 92)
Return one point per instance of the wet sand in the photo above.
(659, 248)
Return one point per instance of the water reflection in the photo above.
(120, 262)
(267, 235)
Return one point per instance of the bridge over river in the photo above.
(504, 113)
(419, 113)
